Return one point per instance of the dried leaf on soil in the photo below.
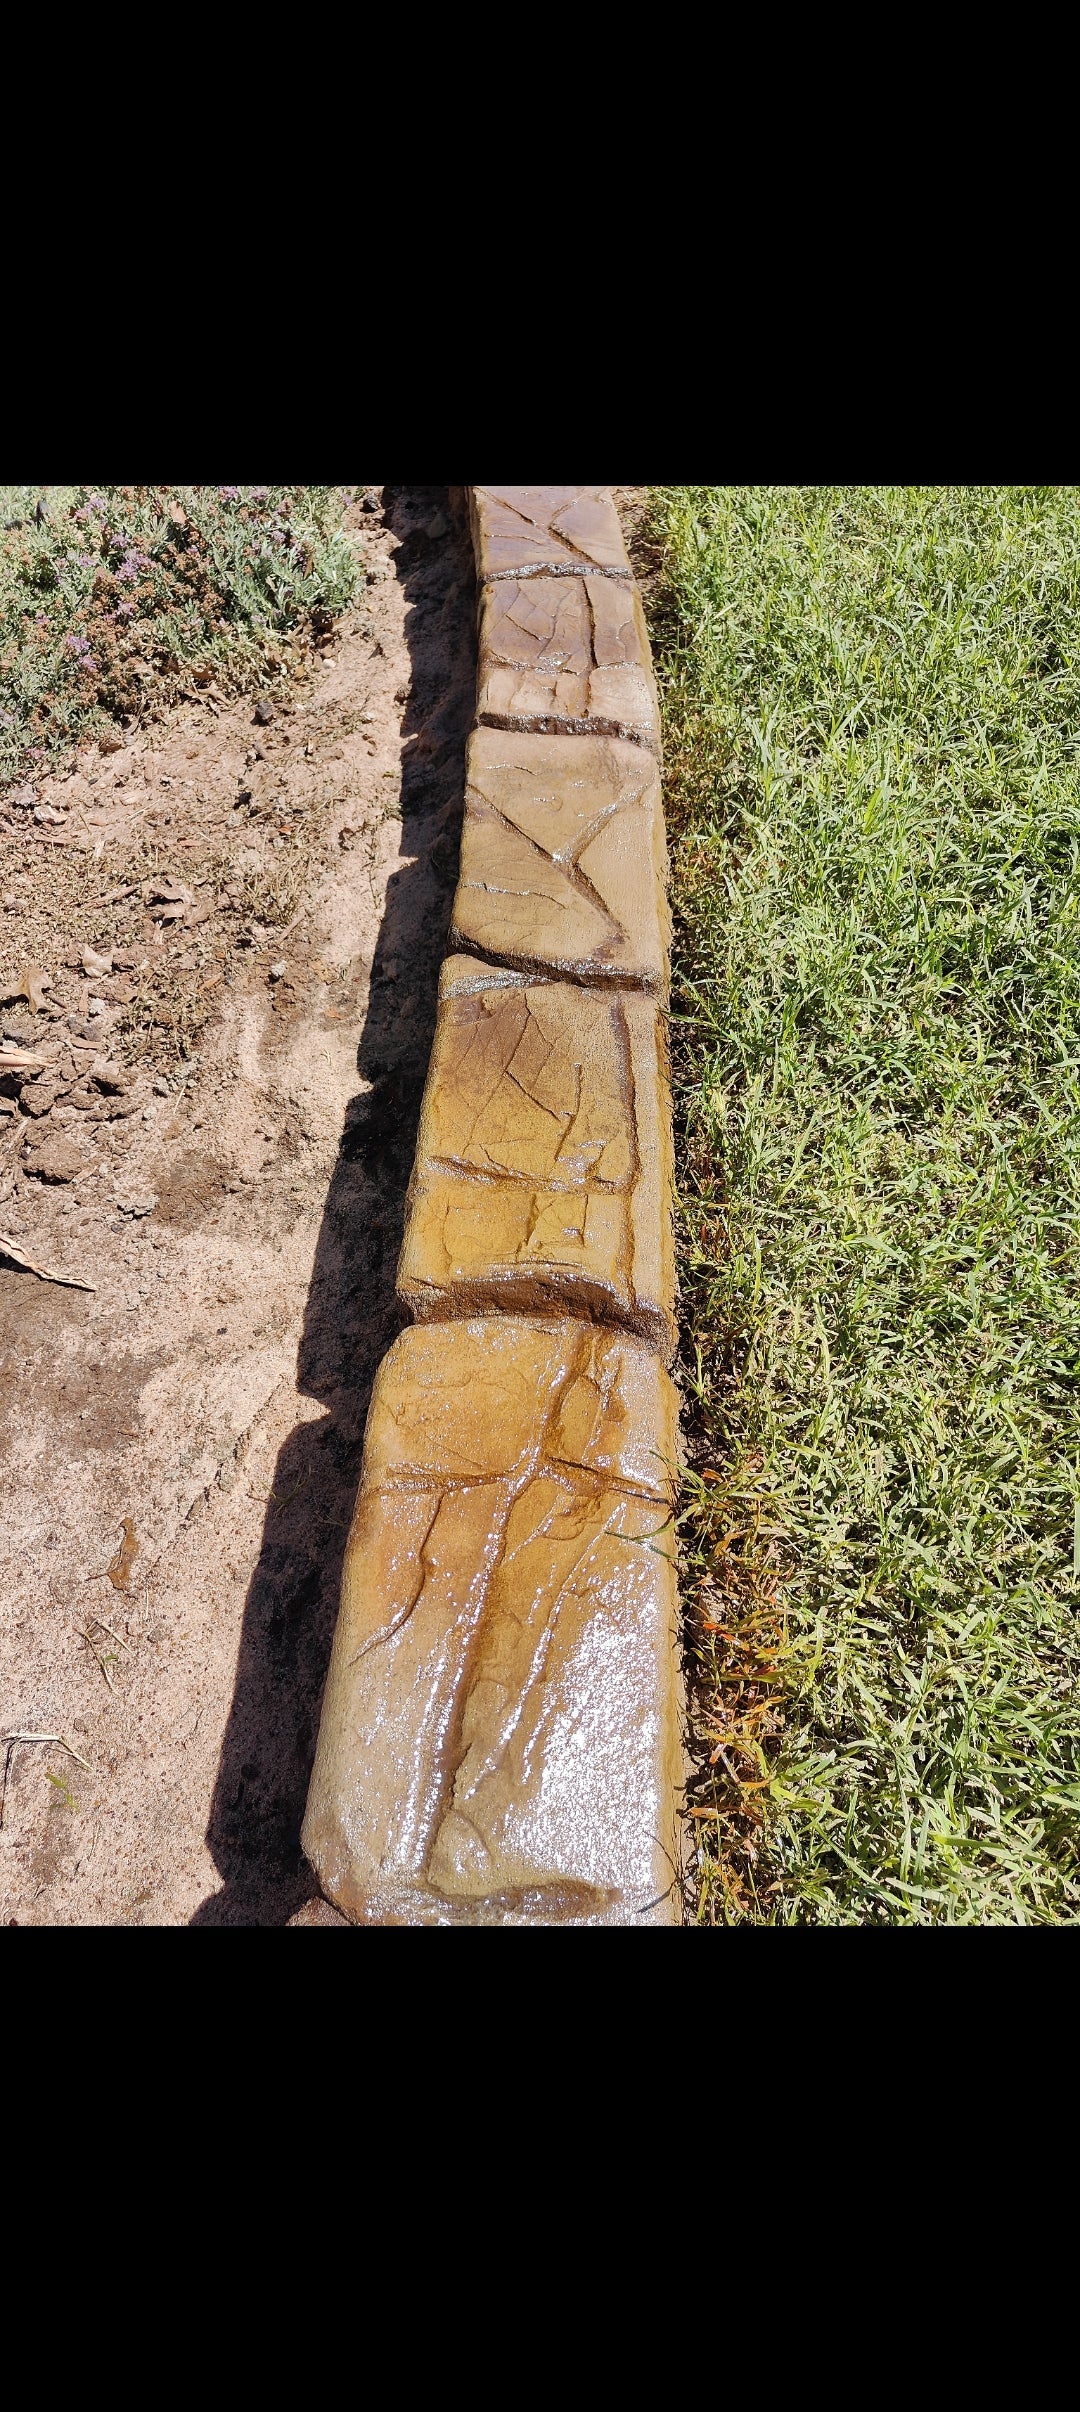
(119, 1568)
(21, 1059)
(18, 1256)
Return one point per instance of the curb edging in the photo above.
(500, 1741)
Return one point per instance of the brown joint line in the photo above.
(546, 724)
(597, 979)
(560, 569)
(552, 1295)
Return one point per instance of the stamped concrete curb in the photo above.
(567, 656)
(501, 1731)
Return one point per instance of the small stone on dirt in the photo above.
(107, 1074)
(56, 1160)
(264, 711)
(135, 1202)
(278, 970)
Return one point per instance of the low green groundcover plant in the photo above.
(113, 598)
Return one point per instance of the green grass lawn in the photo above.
(113, 598)
(872, 724)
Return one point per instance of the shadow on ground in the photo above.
(351, 1315)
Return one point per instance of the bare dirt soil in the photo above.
(181, 1445)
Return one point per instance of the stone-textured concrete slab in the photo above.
(564, 857)
(519, 530)
(500, 1738)
(566, 655)
(571, 625)
(542, 1179)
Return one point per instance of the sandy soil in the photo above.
(212, 1389)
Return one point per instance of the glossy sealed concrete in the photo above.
(543, 1165)
(500, 1735)
(564, 858)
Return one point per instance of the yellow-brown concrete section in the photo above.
(543, 1166)
(500, 1733)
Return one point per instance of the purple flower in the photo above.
(260, 493)
(125, 610)
(80, 646)
(229, 493)
(99, 504)
(86, 560)
(41, 620)
(128, 570)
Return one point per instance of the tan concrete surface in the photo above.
(518, 530)
(542, 1179)
(500, 1733)
(564, 858)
